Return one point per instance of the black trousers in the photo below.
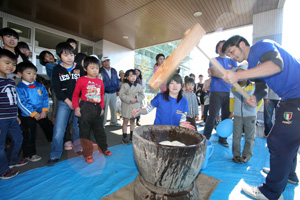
(283, 143)
(28, 129)
(217, 100)
(91, 120)
(206, 108)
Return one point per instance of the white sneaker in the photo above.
(255, 193)
(34, 158)
(267, 170)
(68, 145)
(202, 124)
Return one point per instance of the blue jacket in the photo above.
(32, 98)
(111, 85)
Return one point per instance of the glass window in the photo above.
(36, 53)
(47, 40)
(24, 32)
(40, 67)
(86, 49)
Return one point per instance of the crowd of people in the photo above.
(78, 102)
(82, 88)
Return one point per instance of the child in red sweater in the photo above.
(90, 108)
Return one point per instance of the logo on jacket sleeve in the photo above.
(287, 116)
(40, 92)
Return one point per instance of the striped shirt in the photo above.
(8, 99)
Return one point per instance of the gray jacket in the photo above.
(193, 104)
(127, 92)
(237, 102)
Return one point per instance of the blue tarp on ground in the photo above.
(75, 179)
(234, 175)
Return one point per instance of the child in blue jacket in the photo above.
(33, 101)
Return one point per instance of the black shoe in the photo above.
(19, 164)
(125, 141)
(236, 159)
(52, 162)
(9, 174)
(224, 143)
(138, 124)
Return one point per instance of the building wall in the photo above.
(98, 50)
(120, 57)
(268, 25)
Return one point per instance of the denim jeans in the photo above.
(268, 115)
(59, 129)
(11, 129)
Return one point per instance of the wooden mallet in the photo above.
(191, 39)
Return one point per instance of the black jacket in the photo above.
(63, 82)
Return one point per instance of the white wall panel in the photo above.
(268, 25)
(120, 57)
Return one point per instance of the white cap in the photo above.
(93, 55)
(104, 58)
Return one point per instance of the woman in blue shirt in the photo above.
(171, 106)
